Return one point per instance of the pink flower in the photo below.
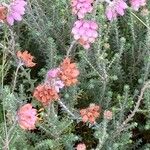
(53, 73)
(81, 7)
(54, 80)
(107, 114)
(85, 32)
(58, 85)
(115, 8)
(81, 146)
(15, 11)
(136, 4)
(27, 117)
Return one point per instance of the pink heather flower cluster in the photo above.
(15, 11)
(65, 75)
(85, 32)
(136, 4)
(54, 80)
(118, 7)
(115, 8)
(81, 7)
(27, 117)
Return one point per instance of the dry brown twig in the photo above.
(123, 126)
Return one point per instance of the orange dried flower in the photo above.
(45, 94)
(90, 114)
(68, 72)
(3, 13)
(26, 58)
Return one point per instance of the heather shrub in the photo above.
(75, 75)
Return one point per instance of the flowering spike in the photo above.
(136, 4)
(90, 114)
(115, 8)
(52, 78)
(68, 72)
(85, 32)
(15, 11)
(26, 58)
(45, 94)
(81, 7)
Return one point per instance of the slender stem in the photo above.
(140, 20)
(12, 127)
(129, 118)
(66, 109)
(70, 48)
(104, 136)
(9, 138)
(5, 140)
(93, 67)
(122, 127)
(15, 79)
(6, 146)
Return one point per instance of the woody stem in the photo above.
(140, 20)
(66, 109)
(70, 48)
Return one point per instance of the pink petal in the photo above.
(109, 14)
(19, 10)
(87, 46)
(94, 25)
(82, 31)
(95, 34)
(89, 33)
(17, 16)
(78, 23)
(120, 11)
(10, 20)
(76, 36)
(92, 40)
(123, 5)
(20, 3)
(86, 25)
(80, 15)
(74, 30)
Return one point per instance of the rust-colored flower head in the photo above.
(26, 58)
(27, 117)
(45, 94)
(68, 72)
(3, 13)
(90, 114)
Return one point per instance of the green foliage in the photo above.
(113, 73)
